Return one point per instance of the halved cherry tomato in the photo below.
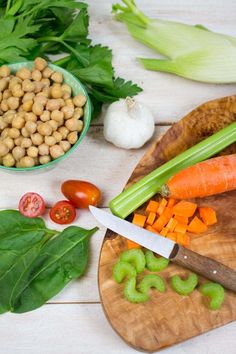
(81, 193)
(63, 212)
(31, 205)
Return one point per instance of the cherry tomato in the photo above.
(31, 205)
(63, 212)
(81, 193)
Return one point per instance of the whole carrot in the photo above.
(206, 178)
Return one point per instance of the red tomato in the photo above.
(63, 212)
(81, 193)
(31, 205)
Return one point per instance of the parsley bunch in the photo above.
(32, 28)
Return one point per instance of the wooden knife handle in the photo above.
(205, 266)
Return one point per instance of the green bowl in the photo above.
(77, 88)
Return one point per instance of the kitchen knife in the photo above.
(167, 248)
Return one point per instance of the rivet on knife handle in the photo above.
(205, 266)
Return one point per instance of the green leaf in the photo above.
(78, 28)
(61, 259)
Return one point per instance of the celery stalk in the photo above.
(134, 196)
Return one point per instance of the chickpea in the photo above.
(32, 151)
(13, 102)
(25, 133)
(79, 100)
(66, 89)
(4, 71)
(45, 116)
(57, 115)
(41, 99)
(28, 86)
(8, 160)
(37, 139)
(72, 137)
(30, 116)
(64, 132)
(36, 161)
(38, 86)
(20, 109)
(37, 108)
(53, 105)
(3, 84)
(4, 106)
(24, 74)
(17, 90)
(57, 136)
(44, 159)
(61, 102)
(45, 129)
(40, 64)
(46, 83)
(5, 133)
(78, 113)
(56, 91)
(18, 141)
(36, 75)
(18, 152)
(6, 94)
(50, 140)
(0, 96)
(3, 123)
(56, 151)
(68, 111)
(45, 92)
(26, 143)
(26, 161)
(57, 77)
(47, 72)
(53, 124)
(65, 145)
(14, 81)
(18, 122)
(69, 102)
(9, 142)
(3, 149)
(31, 127)
(27, 105)
(43, 149)
(29, 96)
(14, 133)
(73, 124)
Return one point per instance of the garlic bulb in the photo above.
(128, 124)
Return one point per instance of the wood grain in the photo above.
(169, 318)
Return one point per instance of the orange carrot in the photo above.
(152, 206)
(172, 224)
(164, 231)
(206, 178)
(160, 223)
(208, 215)
(182, 219)
(183, 239)
(196, 226)
(132, 244)
(168, 212)
(162, 206)
(180, 227)
(184, 208)
(150, 228)
(172, 236)
(171, 202)
(151, 218)
(139, 220)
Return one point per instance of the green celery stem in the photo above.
(134, 196)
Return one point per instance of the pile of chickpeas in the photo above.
(39, 118)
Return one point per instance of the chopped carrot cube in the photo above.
(160, 223)
(183, 239)
(162, 206)
(184, 208)
(150, 228)
(151, 218)
(164, 231)
(180, 227)
(196, 226)
(168, 212)
(182, 219)
(171, 202)
(208, 215)
(172, 224)
(172, 236)
(152, 206)
(132, 244)
(139, 220)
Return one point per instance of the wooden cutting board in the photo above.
(170, 318)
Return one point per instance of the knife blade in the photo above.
(167, 248)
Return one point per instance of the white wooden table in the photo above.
(73, 322)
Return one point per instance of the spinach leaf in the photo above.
(60, 260)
